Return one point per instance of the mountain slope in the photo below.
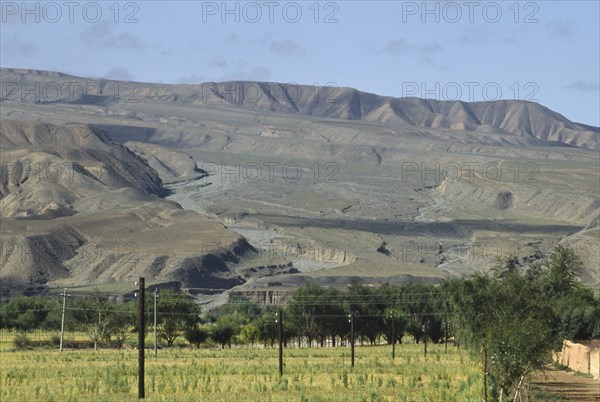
(509, 117)
(49, 170)
(448, 186)
(78, 208)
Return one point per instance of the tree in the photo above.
(302, 311)
(578, 315)
(420, 303)
(333, 315)
(96, 318)
(27, 313)
(250, 333)
(563, 268)
(509, 319)
(175, 314)
(98, 330)
(267, 328)
(368, 307)
(196, 335)
(400, 322)
(121, 321)
(240, 306)
(223, 331)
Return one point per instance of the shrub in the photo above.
(21, 341)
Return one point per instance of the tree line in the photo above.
(513, 316)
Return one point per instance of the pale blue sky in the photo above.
(549, 51)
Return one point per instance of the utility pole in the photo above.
(279, 322)
(446, 334)
(351, 320)
(141, 335)
(424, 342)
(155, 297)
(62, 320)
(393, 339)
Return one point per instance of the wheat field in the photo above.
(250, 374)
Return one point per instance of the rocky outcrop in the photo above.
(277, 297)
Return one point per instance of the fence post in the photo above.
(393, 339)
(351, 339)
(485, 362)
(280, 330)
(141, 335)
(155, 346)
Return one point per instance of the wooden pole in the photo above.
(446, 335)
(424, 342)
(141, 335)
(280, 327)
(62, 320)
(155, 345)
(393, 339)
(485, 390)
(352, 339)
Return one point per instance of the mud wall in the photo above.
(583, 357)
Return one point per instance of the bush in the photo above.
(21, 341)
(55, 340)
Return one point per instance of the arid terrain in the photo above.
(261, 187)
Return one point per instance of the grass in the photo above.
(319, 374)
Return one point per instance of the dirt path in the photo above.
(567, 385)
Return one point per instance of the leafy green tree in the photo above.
(196, 335)
(267, 328)
(303, 310)
(400, 324)
(94, 313)
(122, 319)
(224, 331)
(579, 315)
(239, 306)
(511, 320)
(53, 318)
(562, 269)
(420, 303)
(368, 307)
(27, 313)
(250, 333)
(81, 311)
(175, 314)
(333, 315)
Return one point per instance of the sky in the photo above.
(543, 51)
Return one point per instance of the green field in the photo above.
(242, 374)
